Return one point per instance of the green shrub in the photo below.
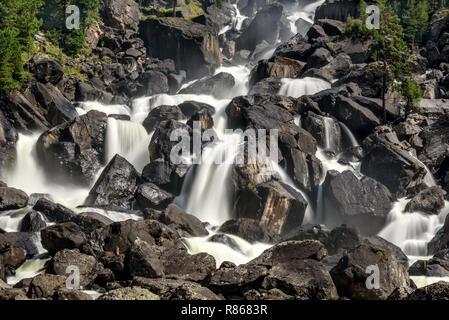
(11, 69)
(73, 42)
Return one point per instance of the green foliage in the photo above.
(54, 15)
(73, 42)
(416, 20)
(19, 16)
(219, 4)
(18, 25)
(389, 49)
(11, 70)
(412, 93)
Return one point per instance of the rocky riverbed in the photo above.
(87, 178)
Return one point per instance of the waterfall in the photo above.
(108, 109)
(243, 253)
(309, 215)
(28, 175)
(208, 193)
(412, 231)
(349, 135)
(429, 180)
(306, 12)
(128, 139)
(299, 87)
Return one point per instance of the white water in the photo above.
(429, 180)
(305, 12)
(299, 87)
(412, 231)
(29, 176)
(246, 251)
(128, 139)
(352, 139)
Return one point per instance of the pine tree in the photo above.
(388, 48)
(19, 16)
(416, 20)
(11, 69)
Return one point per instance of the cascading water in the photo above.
(128, 139)
(412, 231)
(307, 13)
(305, 86)
(28, 175)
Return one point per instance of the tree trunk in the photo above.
(175, 2)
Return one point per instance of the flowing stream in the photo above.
(207, 189)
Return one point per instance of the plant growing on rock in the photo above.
(388, 47)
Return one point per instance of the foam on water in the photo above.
(305, 86)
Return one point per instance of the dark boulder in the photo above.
(394, 250)
(21, 114)
(169, 289)
(46, 286)
(121, 14)
(275, 67)
(153, 82)
(249, 229)
(24, 240)
(393, 166)
(363, 202)
(75, 148)
(296, 48)
(116, 184)
(161, 113)
(265, 26)
(441, 239)
(189, 108)
(430, 201)
(63, 236)
(193, 46)
(87, 265)
(12, 257)
(359, 119)
(149, 195)
(316, 32)
(128, 294)
(142, 260)
(91, 221)
(32, 222)
(351, 274)
(275, 205)
(120, 236)
(319, 58)
(57, 109)
(180, 264)
(434, 291)
(219, 86)
(291, 267)
(185, 224)
(332, 27)
(72, 295)
(46, 70)
(54, 212)
(11, 198)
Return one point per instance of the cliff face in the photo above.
(193, 47)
